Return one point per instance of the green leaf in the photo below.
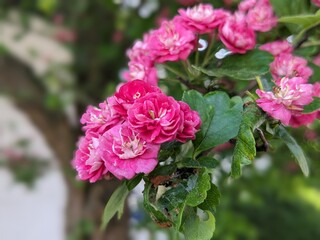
(223, 122)
(195, 229)
(156, 215)
(212, 200)
(198, 185)
(241, 67)
(316, 72)
(312, 107)
(245, 148)
(203, 162)
(115, 204)
(295, 149)
(169, 149)
(131, 184)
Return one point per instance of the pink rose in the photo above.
(140, 52)
(129, 92)
(171, 42)
(316, 2)
(99, 119)
(287, 65)
(260, 16)
(202, 18)
(287, 99)
(237, 35)
(138, 71)
(87, 161)
(156, 117)
(277, 47)
(316, 60)
(246, 5)
(191, 123)
(125, 154)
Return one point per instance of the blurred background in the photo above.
(57, 57)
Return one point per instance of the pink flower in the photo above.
(302, 119)
(237, 35)
(191, 123)
(125, 154)
(156, 117)
(87, 160)
(287, 99)
(99, 119)
(202, 18)
(129, 92)
(316, 60)
(287, 65)
(260, 15)
(277, 47)
(171, 42)
(316, 2)
(138, 71)
(140, 52)
(246, 5)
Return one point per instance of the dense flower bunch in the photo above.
(123, 135)
(206, 52)
(291, 91)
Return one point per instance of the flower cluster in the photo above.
(176, 39)
(291, 91)
(123, 135)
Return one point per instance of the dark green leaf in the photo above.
(115, 204)
(203, 162)
(195, 229)
(245, 148)
(198, 185)
(223, 122)
(212, 200)
(242, 67)
(131, 184)
(295, 149)
(169, 149)
(312, 107)
(316, 72)
(158, 216)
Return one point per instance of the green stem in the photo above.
(207, 56)
(174, 71)
(258, 79)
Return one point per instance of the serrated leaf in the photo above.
(198, 185)
(295, 149)
(169, 149)
(203, 162)
(241, 67)
(115, 204)
(212, 200)
(245, 148)
(195, 229)
(223, 122)
(312, 107)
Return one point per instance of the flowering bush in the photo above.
(143, 133)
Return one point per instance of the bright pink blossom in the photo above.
(125, 154)
(156, 117)
(171, 42)
(202, 18)
(287, 65)
(99, 119)
(139, 71)
(191, 123)
(129, 92)
(277, 47)
(87, 160)
(316, 60)
(140, 52)
(260, 15)
(316, 2)
(287, 99)
(245, 5)
(237, 35)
